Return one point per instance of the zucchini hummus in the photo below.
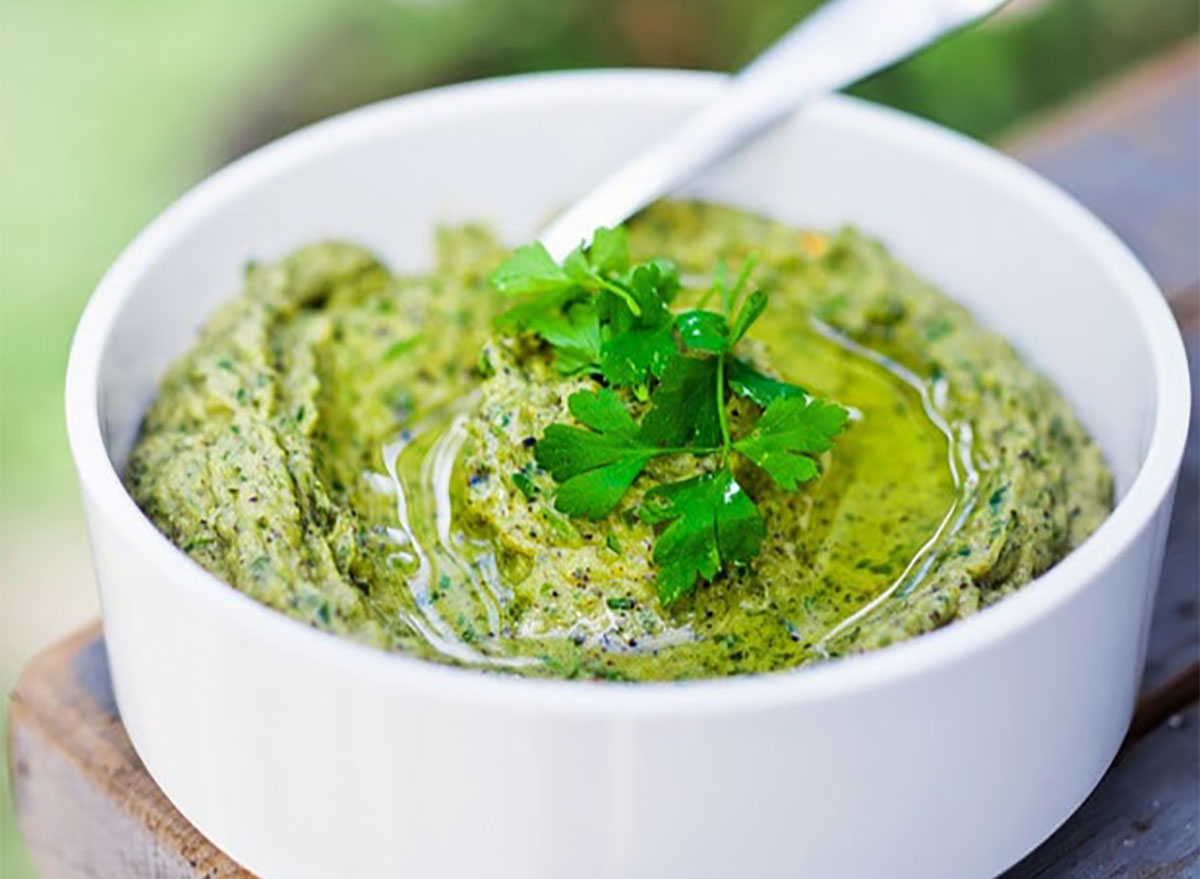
(356, 449)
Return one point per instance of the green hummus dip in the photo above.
(354, 448)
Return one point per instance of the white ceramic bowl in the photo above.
(308, 757)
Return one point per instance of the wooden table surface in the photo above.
(1131, 153)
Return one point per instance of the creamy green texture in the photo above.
(356, 450)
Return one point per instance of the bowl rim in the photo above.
(101, 483)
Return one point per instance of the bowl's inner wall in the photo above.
(386, 177)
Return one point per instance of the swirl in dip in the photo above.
(355, 449)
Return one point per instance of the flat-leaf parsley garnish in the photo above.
(606, 316)
(596, 466)
(713, 523)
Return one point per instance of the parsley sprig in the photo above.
(597, 311)
(603, 314)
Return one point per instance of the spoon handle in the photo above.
(840, 43)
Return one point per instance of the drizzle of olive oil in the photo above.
(892, 491)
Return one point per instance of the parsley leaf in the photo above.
(629, 357)
(713, 522)
(659, 276)
(530, 270)
(610, 250)
(639, 345)
(751, 310)
(683, 410)
(708, 331)
(703, 331)
(574, 332)
(789, 436)
(594, 467)
(600, 312)
(730, 296)
(746, 381)
(595, 310)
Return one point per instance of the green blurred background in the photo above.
(109, 109)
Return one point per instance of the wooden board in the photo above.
(1175, 634)
(88, 808)
(1130, 153)
(1142, 821)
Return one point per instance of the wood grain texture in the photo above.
(1141, 822)
(1130, 153)
(1175, 631)
(88, 808)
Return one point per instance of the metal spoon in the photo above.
(841, 43)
